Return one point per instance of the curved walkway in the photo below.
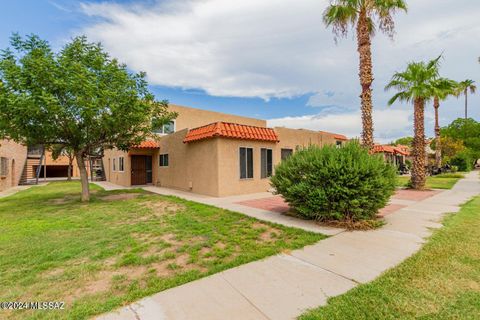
(284, 286)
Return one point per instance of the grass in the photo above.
(441, 181)
(442, 281)
(122, 246)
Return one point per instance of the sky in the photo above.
(271, 59)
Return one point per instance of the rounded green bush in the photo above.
(335, 184)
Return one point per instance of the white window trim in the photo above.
(246, 168)
(174, 129)
(273, 167)
(123, 160)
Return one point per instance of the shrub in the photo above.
(463, 161)
(335, 184)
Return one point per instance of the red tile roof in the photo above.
(231, 130)
(147, 144)
(336, 136)
(388, 149)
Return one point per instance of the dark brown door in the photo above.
(139, 170)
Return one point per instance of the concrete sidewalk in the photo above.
(284, 286)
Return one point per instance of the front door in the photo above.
(139, 170)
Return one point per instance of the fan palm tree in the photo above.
(415, 85)
(361, 14)
(463, 88)
(442, 88)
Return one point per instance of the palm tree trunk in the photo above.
(466, 103)
(418, 165)
(366, 78)
(438, 151)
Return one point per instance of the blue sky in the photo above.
(272, 59)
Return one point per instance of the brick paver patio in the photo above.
(277, 204)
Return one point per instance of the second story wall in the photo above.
(189, 118)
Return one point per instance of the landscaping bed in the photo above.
(442, 281)
(120, 247)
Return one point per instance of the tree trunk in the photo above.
(466, 103)
(438, 150)
(83, 176)
(418, 165)
(366, 78)
(70, 165)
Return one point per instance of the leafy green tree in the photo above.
(450, 147)
(415, 85)
(78, 98)
(406, 141)
(467, 131)
(363, 15)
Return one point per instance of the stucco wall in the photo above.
(229, 167)
(192, 167)
(121, 178)
(189, 118)
(16, 155)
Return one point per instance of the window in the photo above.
(3, 167)
(121, 164)
(246, 163)
(339, 144)
(167, 128)
(114, 164)
(266, 163)
(285, 153)
(164, 160)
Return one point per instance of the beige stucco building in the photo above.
(211, 153)
(12, 161)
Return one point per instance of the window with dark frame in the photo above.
(164, 160)
(266, 162)
(285, 153)
(246, 163)
(3, 167)
(114, 164)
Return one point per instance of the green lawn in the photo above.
(441, 181)
(122, 246)
(442, 281)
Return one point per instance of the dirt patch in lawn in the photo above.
(269, 233)
(160, 207)
(120, 196)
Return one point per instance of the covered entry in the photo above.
(141, 169)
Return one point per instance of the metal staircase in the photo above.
(33, 165)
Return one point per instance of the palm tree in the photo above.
(415, 85)
(361, 14)
(463, 88)
(441, 89)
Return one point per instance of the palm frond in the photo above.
(340, 17)
(385, 9)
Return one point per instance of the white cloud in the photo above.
(350, 123)
(280, 48)
(228, 48)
